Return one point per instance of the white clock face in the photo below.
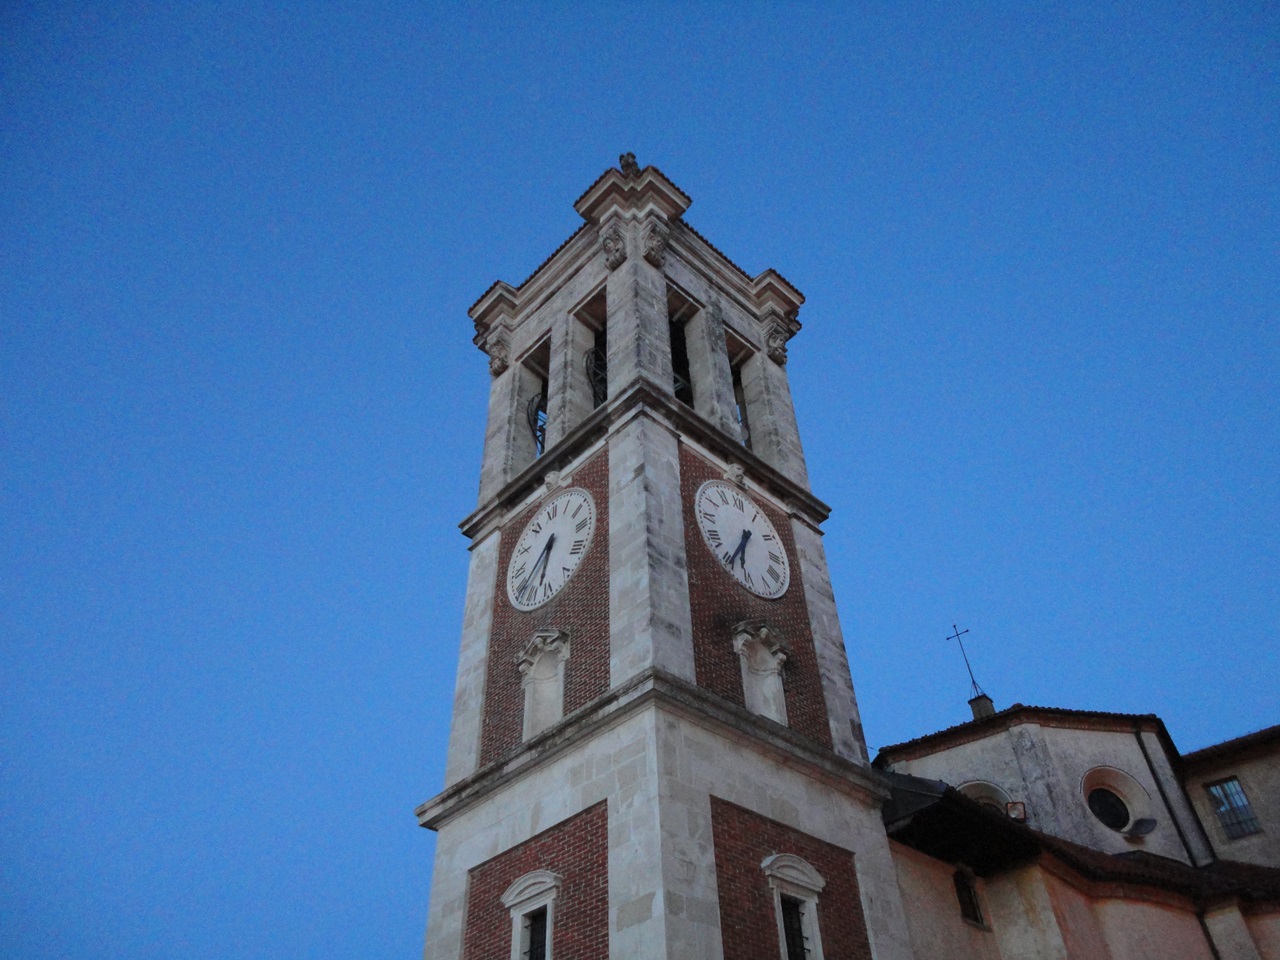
(550, 548)
(743, 539)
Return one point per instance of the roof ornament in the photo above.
(630, 169)
(979, 703)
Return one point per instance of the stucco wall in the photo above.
(1260, 778)
(1140, 930)
(933, 912)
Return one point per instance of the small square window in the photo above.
(1232, 807)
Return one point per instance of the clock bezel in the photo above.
(715, 549)
(580, 557)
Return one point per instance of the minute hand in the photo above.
(540, 562)
(741, 551)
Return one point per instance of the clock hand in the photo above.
(546, 558)
(540, 562)
(741, 551)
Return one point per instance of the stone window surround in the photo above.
(550, 642)
(1124, 786)
(531, 892)
(794, 877)
(761, 656)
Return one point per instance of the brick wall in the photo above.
(578, 850)
(748, 923)
(717, 602)
(582, 608)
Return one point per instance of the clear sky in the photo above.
(241, 415)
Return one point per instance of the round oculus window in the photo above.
(1109, 808)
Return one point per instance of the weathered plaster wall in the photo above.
(1264, 927)
(933, 912)
(1260, 778)
(1141, 930)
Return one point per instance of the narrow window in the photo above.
(682, 382)
(796, 886)
(597, 361)
(535, 935)
(967, 894)
(1232, 807)
(536, 412)
(594, 315)
(532, 903)
(740, 402)
(793, 928)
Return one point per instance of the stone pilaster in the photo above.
(649, 619)
(570, 393)
(709, 369)
(473, 661)
(639, 340)
(775, 438)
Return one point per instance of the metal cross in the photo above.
(977, 690)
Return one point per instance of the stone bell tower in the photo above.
(655, 749)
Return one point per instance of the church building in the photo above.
(656, 750)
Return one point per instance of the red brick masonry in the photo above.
(747, 921)
(578, 850)
(582, 608)
(718, 602)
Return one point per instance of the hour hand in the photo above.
(741, 551)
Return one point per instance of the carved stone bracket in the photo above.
(735, 474)
(499, 351)
(550, 640)
(614, 243)
(759, 631)
(775, 343)
(656, 236)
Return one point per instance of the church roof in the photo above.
(1260, 741)
(1018, 714)
(938, 820)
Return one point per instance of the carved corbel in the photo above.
(736, 475)
(656, 236)
(775, 343)
(549, 640)
(499, 351)
(614, 243)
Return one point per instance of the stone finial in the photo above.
(656, 236)
(630, 169)
(615, 246)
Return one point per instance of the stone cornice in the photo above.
(666, 691)
(649, 191)
(643, 397)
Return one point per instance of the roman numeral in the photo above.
(724, 497)
(747, 576)
(525, 549)
(774, 575)
(709, 517)
(566, 571)
(553, 510)
(577, 548)
(578, 511)
(737, 502)
(714, 536)
(535, 528)
(582, 525)
(768, 536)
(518, 572)
(774, 557)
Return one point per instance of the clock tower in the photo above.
(655, 749)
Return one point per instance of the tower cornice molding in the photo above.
(656, 687)
(643, 398)
(648, 191)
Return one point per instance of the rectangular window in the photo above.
(967, 894)
(535, 935)
(682, 384)
(1232, 808)
(740, 400)
(793, 928)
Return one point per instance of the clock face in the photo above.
(550, 548)
(743, 539)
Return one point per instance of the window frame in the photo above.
(532, 892)
(796, 879)
(1236, 820)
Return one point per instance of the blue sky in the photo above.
(242, 414)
